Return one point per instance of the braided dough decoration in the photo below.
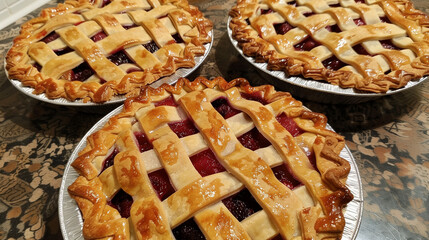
(313, 210)
(71, 51)
(372, 45)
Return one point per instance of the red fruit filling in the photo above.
(206, 163)
(50, 37)
(266, 11)
(306, 45)
(255, 96)
(289, 124)
(293, 3)
(242, 204)
(37, 66)
(122, 202)
(188, 230)
(359, 21)
(183, 128)
(109, 160)
(135, 69)
(177, 38)
(361, 50)
(360, 1)
(389, 44)
(385, 19)
(151, 46)
(169, 101)
(81, 72)
(130, 26)
(143, 141)
(335, 5)
(105, 3)
(333, 28)
(283, 174)
(65, 50)
(248, 21)
(119, 58)
(161, 184)
(224, 108)
(333, 63)
(278, 237)
(282, 28)
(99, 36)
(253, 140)
(308, 14)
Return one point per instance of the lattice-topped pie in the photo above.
(215, 160)
(93, 50)
(369, 45)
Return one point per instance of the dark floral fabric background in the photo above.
(388, 137)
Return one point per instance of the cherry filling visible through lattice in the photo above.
(118, 57)
(308, 43)
(241, 204)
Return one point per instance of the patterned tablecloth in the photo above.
(388, 137)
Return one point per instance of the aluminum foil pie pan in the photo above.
(181, 72)
(313, 90)
(71, 222)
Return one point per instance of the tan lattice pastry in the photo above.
(372, 45)
(166, 153)
(93, 51)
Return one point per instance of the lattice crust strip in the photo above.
(372, 46)
(94, 50)
(116, 159)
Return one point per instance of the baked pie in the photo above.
(216, 160)
(371, 46)
(93, 50)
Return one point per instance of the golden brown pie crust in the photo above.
(380, 70)
(285, 212)
(76, 20)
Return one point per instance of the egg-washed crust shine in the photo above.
(53, 79)
(378, 71)
(283, 211)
